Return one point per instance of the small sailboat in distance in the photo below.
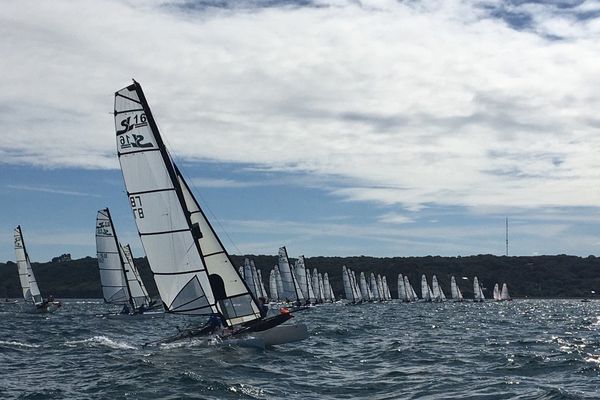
(477, 292)
(496, 293)
(31, 291)
(504, 296)
(192, 270)
(455, 290)
(120, 280)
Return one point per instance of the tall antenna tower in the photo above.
(506, 237)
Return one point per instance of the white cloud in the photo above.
(50, 190)
(414, 103)
(395, 218)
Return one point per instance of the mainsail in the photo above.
(192, 269)
(504, 295)
(138, 289)
(349, 292)
(425, 291)
(273, 285)
(115, 289)
(454, 290)
(477, 292)
(496, 293)
(364, 291)
(291, 289)
(31, 291)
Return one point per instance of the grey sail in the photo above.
(504, 294)
(496, 293)
(291, 288)
(374, 288)
(110, 261)
(425, 290)
(364, 291)
(31, 291)
(347, 283)
(192, 269)
(273, 292)
(138, 289)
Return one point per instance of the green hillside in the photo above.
(540, 276)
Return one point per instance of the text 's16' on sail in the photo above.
(192, 270)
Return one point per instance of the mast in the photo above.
(506, 237)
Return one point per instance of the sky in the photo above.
(336, 128)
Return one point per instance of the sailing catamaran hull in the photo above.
(282, 334)
(39, 309)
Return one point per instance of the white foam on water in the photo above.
(18, 344)
(100, 341)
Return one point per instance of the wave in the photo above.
(18, 344)
(100, 341)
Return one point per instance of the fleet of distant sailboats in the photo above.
(192, 270)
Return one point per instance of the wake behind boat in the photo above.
(193, 272)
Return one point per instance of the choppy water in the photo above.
(525, 349)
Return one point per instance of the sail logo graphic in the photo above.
(129, 123)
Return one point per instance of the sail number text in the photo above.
(136, 206)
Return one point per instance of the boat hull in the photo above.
(282, 334)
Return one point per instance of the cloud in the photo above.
(50, 190)
(395, 218)
(417, 103)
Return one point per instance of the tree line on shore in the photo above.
(556, 276)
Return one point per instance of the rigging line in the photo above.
(196, 191)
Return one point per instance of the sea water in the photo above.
(524, 349)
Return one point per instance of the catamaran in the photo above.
(455, 290)
(478, 296)
(120, 280)
(504, 296)
(426, 294)
(31, 291)
(193, 272)
(496, 293)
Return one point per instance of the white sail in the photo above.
(312, 297)
(386, 289)
(300, 271)
(262, 284)
(315, 284)
(355, 286)
(453, 288)
(375, 288)
(110, 261)
(364, 291)
(31, 291)
(401, 289)
(138, 291)
(349, 293)
(192, 269)
(257, 283)
(409, 290)
(496, 293)
(380, 287)
(321, 288)
(326, 285)
(477, 292)
(414, 294)
(504, 295)
(435, 289)
(248, 276)
(291, 289)
(279, 283)
(274, 295)
(425, 291)
(331, 294)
